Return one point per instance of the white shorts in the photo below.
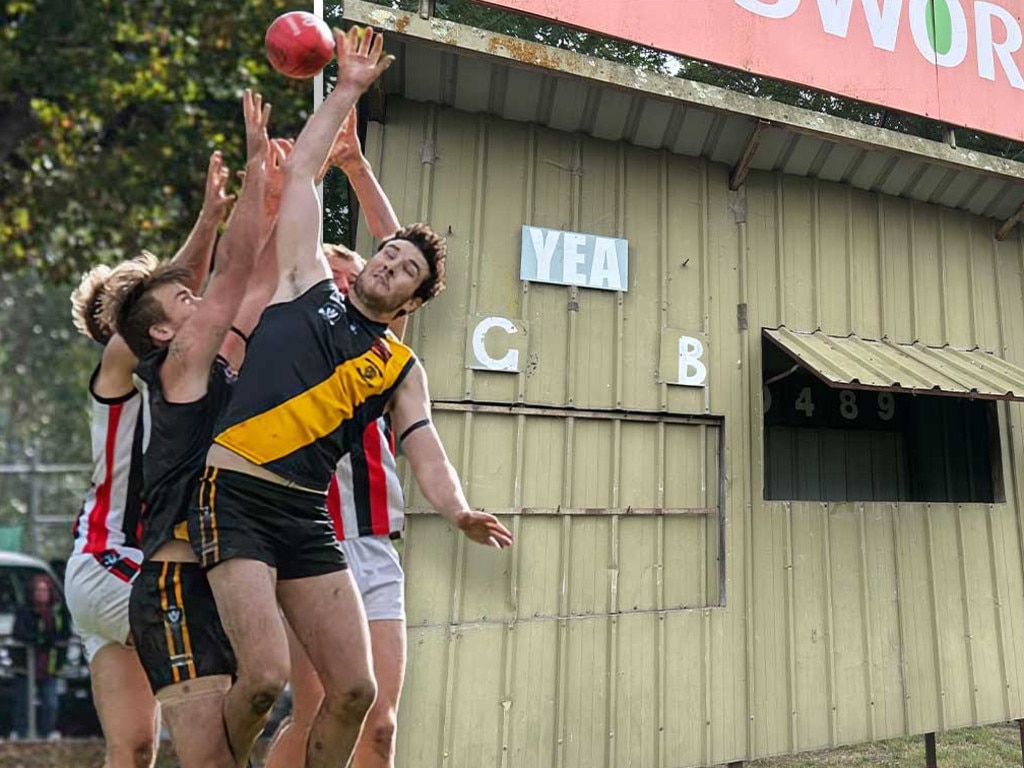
(97, 598)
(378, 573)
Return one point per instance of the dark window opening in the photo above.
(829, 444)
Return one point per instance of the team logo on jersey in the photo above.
(173, 615)
(330, 314)
(332, 311)
(369, 372)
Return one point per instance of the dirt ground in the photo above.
(996, 746)
(74, 753)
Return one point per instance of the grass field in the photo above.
(996, 746)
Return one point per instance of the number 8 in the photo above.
(848, 405)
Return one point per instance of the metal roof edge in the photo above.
(475, 41)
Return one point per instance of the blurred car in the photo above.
(77, 715)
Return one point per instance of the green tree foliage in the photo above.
(109, 110)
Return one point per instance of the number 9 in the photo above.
(886, 406)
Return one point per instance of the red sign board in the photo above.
(957, 61)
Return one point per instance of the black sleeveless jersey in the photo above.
(316, 373)
(176, 437)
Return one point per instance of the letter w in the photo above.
(883, 22)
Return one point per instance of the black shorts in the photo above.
(238, 515)
(175, 625)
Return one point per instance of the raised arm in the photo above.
(347, 154)
(197, 252)
(263, 278)
(435, 475)
(115, 376)
(301, 263)
(196, 344)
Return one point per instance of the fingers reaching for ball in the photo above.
(361, 57)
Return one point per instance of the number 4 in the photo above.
(805, 403)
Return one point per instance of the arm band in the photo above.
(240, 335)
(413, 428)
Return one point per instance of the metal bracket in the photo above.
(738, 175)
(1009, 224)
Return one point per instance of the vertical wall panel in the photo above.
(596, 362)
(898, 308)
(554, 203)
(534, 686)
(811, 632)
(920, 623)
(985, 280)
(800, 303)
(831, 243)
(865, 289)
(987, 656)
(883, 600)
(952, 630)
(851, 654)
(478, 661)
(642, 308)
(421, 735)
(957, 277)
(927, 274)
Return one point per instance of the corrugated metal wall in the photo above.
(597, 641)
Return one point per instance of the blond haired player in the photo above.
(106, 556)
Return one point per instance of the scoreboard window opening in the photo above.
(833, 444)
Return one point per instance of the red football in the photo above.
(299, 44)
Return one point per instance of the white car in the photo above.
(16, 572)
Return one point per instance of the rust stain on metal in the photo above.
(526, 52)
(402, 22)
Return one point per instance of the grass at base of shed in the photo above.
(993, 746)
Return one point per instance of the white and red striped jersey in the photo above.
(109, 518)
(365, 495)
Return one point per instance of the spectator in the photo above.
(41, 626)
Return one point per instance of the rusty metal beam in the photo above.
(586, 511)
(1009, 224)
(738, 175)
(647, 417)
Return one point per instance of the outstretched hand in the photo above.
(216, 200)
(361, 57)
(280, 149)
(483, 528)
(257, 118)
(347, 151)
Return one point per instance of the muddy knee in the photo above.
(379, 732)
(262, 689)
(139, 754)
(144, 754)
(352, 702)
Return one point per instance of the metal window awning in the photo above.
(855, 363)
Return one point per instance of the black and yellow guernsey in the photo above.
(316, 372)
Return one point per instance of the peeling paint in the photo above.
(385, 20)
